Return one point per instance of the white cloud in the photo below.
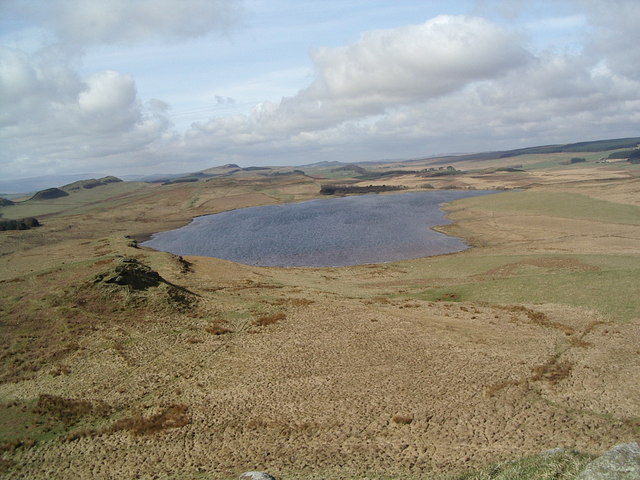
(382, 70)
(86, 22)
(412, 90)
(50, 115)
(109, 102)
(615, 36)
(417, 61)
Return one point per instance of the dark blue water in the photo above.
(328, 232)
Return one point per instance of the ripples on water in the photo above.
(328, 232)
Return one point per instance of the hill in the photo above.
(49, 194)
(90, 183)
(579, 147)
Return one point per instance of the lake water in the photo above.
(328, 232)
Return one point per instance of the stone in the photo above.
(256, 476)
(554, 451)
(622, 462)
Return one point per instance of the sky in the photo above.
(141, 87)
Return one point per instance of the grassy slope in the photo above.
(610, 291)
(557, 204)
(602, 282)
(76, 202)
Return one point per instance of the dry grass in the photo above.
(14, 444)
(174, 416)
(552, 371)
(325, 394)
(540, 318)
(293, 302)
(69, 411)
(266, 320)
(494, 389)
(217, 329)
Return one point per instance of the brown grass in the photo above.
(293, 302)
(217, 329)
(69, 411)
(539, 318)
(174, 416)
(14, 444)
(269, 319)
(493, 390)
(552, 371)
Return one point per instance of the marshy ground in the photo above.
(201, 368)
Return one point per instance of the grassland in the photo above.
(462, 366)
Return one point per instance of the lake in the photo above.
(322, 233)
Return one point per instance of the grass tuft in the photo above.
(564, 465)
(269, 319)
(175, 416)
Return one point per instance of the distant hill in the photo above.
(351, 168)
(229, 167)
(49, 194)
(90, 183)
(34, 184)
(593, 146)
(324, 164)
(5, 202)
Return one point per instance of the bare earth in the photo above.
(413, 369)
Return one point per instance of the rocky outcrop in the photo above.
(256, 476)
(22, 224)
(622, 462)
(133, 274)
(141, 282)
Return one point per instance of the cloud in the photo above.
(615, 37)
(412, 90)
(52, 118)
(417, 61)
(86, 22)
(382, 70)
(51, 115)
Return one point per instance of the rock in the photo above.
(256, 476)
(135, 275)
(622, 462)
(554, 451)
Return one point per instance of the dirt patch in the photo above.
(548, 264)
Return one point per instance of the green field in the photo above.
(77, 202)
(557, 204)
(612, 289)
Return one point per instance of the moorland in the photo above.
(118, 361)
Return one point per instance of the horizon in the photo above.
(15, 187)
(165, 87)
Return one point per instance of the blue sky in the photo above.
(162, 86)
